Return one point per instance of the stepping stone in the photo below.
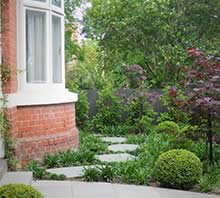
(122, 157)
(97, 135)
(114, 139)
(122, 147)
(70, 172)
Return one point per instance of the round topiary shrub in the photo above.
(19, 191)
(168, 127)
(178, 168)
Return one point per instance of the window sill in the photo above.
(41, 98)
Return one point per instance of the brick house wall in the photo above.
(38, 130)
(35, 129)
(9, 43)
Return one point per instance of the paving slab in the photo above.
(70, 172)
(93, 190)
(123, 147)
(54, 189)
(75, 189)
(121, 157)
(151, 192)
(114, 139)
(17, 178)
(3, 167)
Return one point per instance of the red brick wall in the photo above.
(43, 129)
(9, 46)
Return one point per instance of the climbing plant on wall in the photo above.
(4, 121)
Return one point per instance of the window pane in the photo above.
(56, 3)
(35, 46)
(57, 54)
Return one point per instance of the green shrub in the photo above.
(69, 158)
(116, 130)
(39, 172)
(37, 169)
(82, 110)
(19, 191)
(134, 172)
(101, 173)
(173, 113)
(91, 175)
(140, 113)
(108, 109)
(88, 141)
(210, 180)
(131, 172)
(136, 139)
(168, 127)
(178, 168)
(178, 134)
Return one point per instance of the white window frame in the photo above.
(50, 11)
(62, 47)
(39, 93)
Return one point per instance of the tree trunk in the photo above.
(210, 138)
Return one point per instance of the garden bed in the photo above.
(139, 171)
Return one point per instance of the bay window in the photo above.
(41, 25)
(40, 53)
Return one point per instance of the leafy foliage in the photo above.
(5, 133)
(140, 113)
(19, 191)
(168, 127)
(210, 180)
(178, 169)
(69, 158)
(82, 110)
(132, 172)
(104, 173)
(88, 73)
(153, 34)
(109, 109)
(201, 86)
(39, 172)
(71, 46)
(92, 143)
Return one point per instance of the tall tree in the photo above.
(153, 33)
(71, 47)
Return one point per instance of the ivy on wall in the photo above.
(4, 121)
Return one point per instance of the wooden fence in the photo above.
(92, 95)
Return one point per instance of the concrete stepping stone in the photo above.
(122, 157)
(114, 139)
(97, 135)
(70, 172)
(122, 147)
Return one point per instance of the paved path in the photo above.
(78, 171)
(114, 139)
(73, 189)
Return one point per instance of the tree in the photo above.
(153, 33)
(202, 87)
(71, 47)
(88, 72)
(203, 80)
